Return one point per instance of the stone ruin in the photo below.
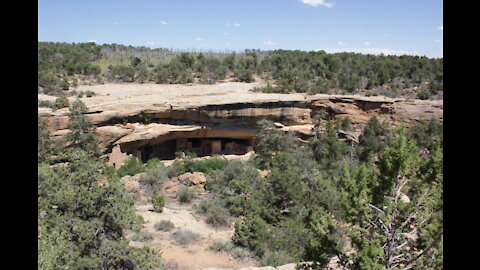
(168, 150)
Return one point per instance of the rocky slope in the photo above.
(131, 116)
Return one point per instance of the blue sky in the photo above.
(413, 27)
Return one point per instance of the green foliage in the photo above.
(187, 164)
(401, 159)
(327, 148)
(89, 93)
(346, 124)
(326, 239)
(61, 102)
(185, 237)
(81, 131)
(47, 103)
(158, 200)
(244, 75)
(251, 232)
(237, 252)
(222, 246)
(131, 167)
(270, 141)
(164, 226)
(156, 173)
(355, 184)
(241, 253)
(275, 258)
(216, 214)
(82, 216)
(208, 165)
(185, 194)
(427, 133)
(424, 95)
(292, 71)
(373, 140)
(234, 185)
(142, 236)
(45, 147)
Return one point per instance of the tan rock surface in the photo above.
(227, 110)
(195, 178)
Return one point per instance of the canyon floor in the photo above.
(196, 255)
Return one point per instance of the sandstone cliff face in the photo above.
(154, 114)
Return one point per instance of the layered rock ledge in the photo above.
(132, 116)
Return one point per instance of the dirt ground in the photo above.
(191, 256)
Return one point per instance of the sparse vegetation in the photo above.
(131, 167)
(142, 236)
(158, 200)
(164, 226)
(222, 246)
(185, 237)
(185, 194)
(317, 197)
(216, 215)
(291, 71)
(156, 175)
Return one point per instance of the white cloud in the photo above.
(236, 24)
(340, 43)
(371, 51)
(115, 23)
(163, 22)
(92, 40)
(227, 33)
(440, 28)
(269, 43)
(367, 43)
(227, 24)
(315, 3)
(199, 39)
(438, 40)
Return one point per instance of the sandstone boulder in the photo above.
(171, 187)
(195, 178)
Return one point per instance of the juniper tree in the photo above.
(82, 216)
(81, 130)
(45, 148)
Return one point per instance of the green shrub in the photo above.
(209, 165)
(244, 75)
(276, 258)
(155, 176)
(47, 103)
(178, 167)
(252, 232)
(184, 237)
(187, 164)
(153, 163)
(131, 167)
(222, 246)
(62, 102)
(241, 253)
(185, 195)
(158, 200)
(164, 226)
(89, 93)
(142, 237)
(424, 95)
(216, 214)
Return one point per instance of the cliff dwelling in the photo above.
(223, 122)
(168, 150)
(199, 146)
